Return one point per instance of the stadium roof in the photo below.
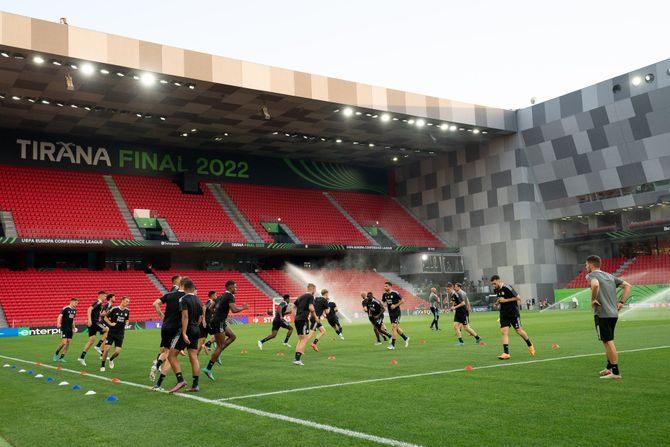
(151, 94)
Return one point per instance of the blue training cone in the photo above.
(50, 379)
(112, 398)
(76, 387)
(13, 366)
(30, 373)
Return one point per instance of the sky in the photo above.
(495, 53)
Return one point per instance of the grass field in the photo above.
(428, 398)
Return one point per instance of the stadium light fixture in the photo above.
(475, 131)
(38, 60)
(162, 118)
(148, 79)
(19, 56)
(119, 74)
(16, 98)
(74, 66)
(649, 78)
(358, 113)
(453, 128)
(338, 141)
(56, 63)
(636, 81)
(104, 71)
(184, 134)
(444, 126)
(395, 159)
(87, 69)
(410, 121)
(164, 81)
(371, 145)
(420, 122)
(348, 111)
(4, 54)
(385, 117)
(424, 257)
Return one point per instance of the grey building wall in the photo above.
(496, 199)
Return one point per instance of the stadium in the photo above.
(127, 163)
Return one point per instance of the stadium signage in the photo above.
(48, 241)
(210, 163)
(14, 332)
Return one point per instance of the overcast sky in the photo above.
(490, 52)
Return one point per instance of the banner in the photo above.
(14, 332)
(216, 164)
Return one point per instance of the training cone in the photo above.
(90, 393)
(555, 346)
(39, 363)
(423, 342)
(13, 366)
(83, 372)
(116, 380)
(280, 354)
(58, 368)
(63, 383)
(468, 368)
(50, 379)
(30, 373)
(482, 343)
(112, 398)
(334, 339)
(38, 376)
(76, 387)
(394, 362)
(6, 365)
(22, 370)
(243, 351)
(331, 357)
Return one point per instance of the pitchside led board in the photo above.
(69, 152)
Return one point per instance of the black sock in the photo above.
(83, 354)
(460, 339)
(100, 344)
(158, 360)
(404, 337)
(393, 342)
(338, 332)
(265, 339)
(103, 363)
(506, 349)
(529, 343)
(609, 365)
(316, 340)
(297, 356)
(58, 351)
(286, 339)
(196, 381)
(180, 377)
(209, 343)
(210, 365)
(160, 380)
(62, 355)
(378, 340)
(158, 364)
(477, 337)
(615, 369)
(437, 327)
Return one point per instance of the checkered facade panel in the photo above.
(495, 199)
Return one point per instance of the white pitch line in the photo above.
(277, 416)
(432, 373)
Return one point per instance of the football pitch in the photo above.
(354, 393)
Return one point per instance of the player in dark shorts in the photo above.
(65, 323)
(116, 320)
(278, 322)
(376, 315)
(205, 329)
(434, 301)
(222, 332)
(95, 326)
(393, 300)
(169, 329)
(509, 300)
(461, 315)
(364, 304)
(331, 316)
(321, 310)
(304, 311)
(192, 316)
(606, 308)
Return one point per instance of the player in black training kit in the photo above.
(190, 309)
(95, 326)
(509, 301)
(116, 320)
(224, 335)
(65, 323)
(331, 316)
(169, 330)
(375, 311)
(364, 304)
(205, 328)
(320, 309)
(393, 301)
(304, 311)
(461, 315)
(278, 322)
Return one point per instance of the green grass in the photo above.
(558, 402)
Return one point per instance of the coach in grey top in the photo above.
(606, 309)
(434, 301)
